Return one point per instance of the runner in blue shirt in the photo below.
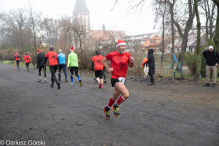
(62, 64)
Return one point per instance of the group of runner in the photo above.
(119, 62)
(27, 59)
(58, 62)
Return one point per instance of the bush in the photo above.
(191, 61)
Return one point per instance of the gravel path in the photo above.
(159, 115)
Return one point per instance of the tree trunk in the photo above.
(198, 50)
(216, 37)
(184, 36)
(207, 19)
(162, 56)
(211, 21)
(173, 33)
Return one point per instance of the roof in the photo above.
(202, 41)
(148, 42)
(80, 6)
(106, 35)
(156, 38)
(144, 36)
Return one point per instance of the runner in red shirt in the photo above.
(120, 60)
(53, 65)
(98, 67)
(27, 60)
(17, 58)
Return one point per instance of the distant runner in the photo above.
(17, 58)
(27, 60)
(73, 64)
(98, 67)
(120, 60)
(62, 64)
(53, 65)
(40, 64)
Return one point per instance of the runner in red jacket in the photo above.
(53, 65)
(17, 58)
(120, 60)
(98, 67)
(27, 60)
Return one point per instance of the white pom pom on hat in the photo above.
(120, 42)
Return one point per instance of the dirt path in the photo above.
(159, 115)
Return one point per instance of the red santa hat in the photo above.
(71, 49)
(38, 51)
(120, 42)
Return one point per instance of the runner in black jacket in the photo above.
(40, 64)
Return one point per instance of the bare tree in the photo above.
(161, 11)
(184, 24)
(34, 19)
(209, 12)
(49, 31)
(216, 37)
(17, 27)
(198, 49)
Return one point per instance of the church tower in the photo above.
(81, 16)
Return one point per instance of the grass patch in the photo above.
(7, 62)
(170, 73)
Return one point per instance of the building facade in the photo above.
(81, 17)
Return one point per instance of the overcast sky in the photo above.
(100, 12)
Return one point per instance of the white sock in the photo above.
(39, 77)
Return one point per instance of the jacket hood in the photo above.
(150, 51)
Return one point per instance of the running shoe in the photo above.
(44, 81)
(58, 85)
(51, 85)
(104, 81)
(66, 80)
(115, 110)
(207, 84)
(39, 80)
(80, 83)
(71, 83)
(99, 85)
(106, 112)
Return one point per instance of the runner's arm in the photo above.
(92, 65)
(68, 61)
(110, 70)
(104, 63)
(45, 61)
(132, 60)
